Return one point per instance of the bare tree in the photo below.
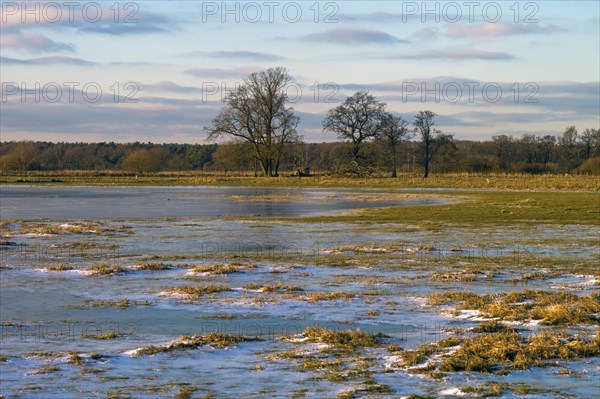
(392, 131)
(432, 138)
(233, 156)
(22, 157)
(358, 119)
(591, 142)
(569, 150)
(257, 113)
(504, 145)
(142, 161)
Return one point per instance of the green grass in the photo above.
(485, 208)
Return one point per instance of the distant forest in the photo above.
(569, 152)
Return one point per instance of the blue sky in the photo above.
(157, 70)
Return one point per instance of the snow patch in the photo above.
(452, 392)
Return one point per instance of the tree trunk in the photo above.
(427, 159)
(394, 166)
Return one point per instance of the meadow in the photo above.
(322, 287)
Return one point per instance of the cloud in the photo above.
(240, 72)
(135, 63)
(353, 36)
(576, 99)
(80, 121)
(378, 16)
(168, 86)
(237, 55)
(33, 43)
(98, 19)
(47, 61)
(141, 23)
(487, 31)
(459, 55)
(425, 34)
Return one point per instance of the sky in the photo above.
(157, 71)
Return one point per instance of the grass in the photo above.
(498, 349)
(195, 291)
(74, 358)
(453, 276)
(194, 178)
(59, 268)
(153, 266)
(343, 356)
(277, 287)
(488, 352)
(216, 339)
(106, 269)
(493, 388)
(113, 303)
(549, 307)
(102, 336)
(329, 296)
(219, 268)
(10, 228)
(51, 368)
(483, 208)
(343, 338)
(84, 245)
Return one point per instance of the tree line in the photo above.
(259, 127)
(132, 157)
(503, 154)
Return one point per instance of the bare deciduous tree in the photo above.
(358, 119)
(590, 138)
(432, 138)
(569, 150)
(257, 113)
(392, 131)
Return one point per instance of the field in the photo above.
(300, 288)
(459, 181)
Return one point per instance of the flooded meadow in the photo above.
(222, 292)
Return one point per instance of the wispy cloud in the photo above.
(487, 31)
(33, 43)
(352, 37)
(47, 61)
(237, 55)
(172, 87)
(458, 55)
(80, 121)
(130, 21)
(425, 34)
(240, 72)
(379, 16)
(144, 22)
